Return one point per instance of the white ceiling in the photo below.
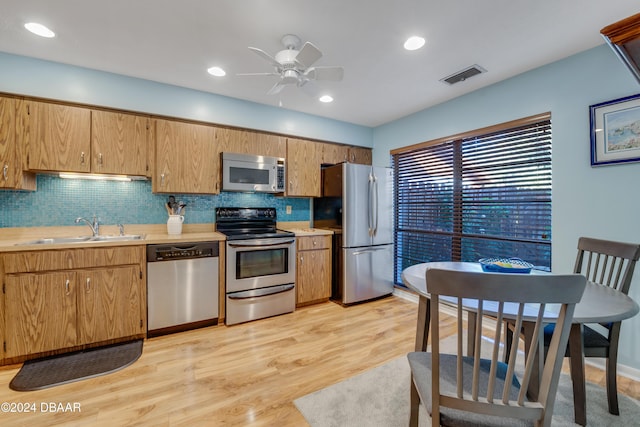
(175, 42)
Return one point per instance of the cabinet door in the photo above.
(58, 137)
(8, 160)
(303, 168)
(187, 159)
(360, 155)
(108, 303)
(118, 143)
(333, 154)
(247, 142)
(40, 312)
(313, 276)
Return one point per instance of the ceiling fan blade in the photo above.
(277, 88)
(325, 73)
(257, 74)
(266, 57)
(308, 55)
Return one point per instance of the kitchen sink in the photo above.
(56, 240)
(83, 239)
(117, 238)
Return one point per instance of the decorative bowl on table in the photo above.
(505, 265)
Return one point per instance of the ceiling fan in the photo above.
(293, 65)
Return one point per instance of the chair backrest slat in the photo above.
(607, 262)
(498, 294)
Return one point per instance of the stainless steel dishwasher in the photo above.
(182, 287)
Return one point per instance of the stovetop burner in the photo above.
(248, 223)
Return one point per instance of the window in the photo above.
(485, 193)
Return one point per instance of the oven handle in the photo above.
(260, 292)
(259, 245)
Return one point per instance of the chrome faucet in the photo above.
(95, 225)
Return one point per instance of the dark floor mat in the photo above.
(52, 371)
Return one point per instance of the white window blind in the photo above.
(477, 196)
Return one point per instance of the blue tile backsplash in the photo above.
(58, 202)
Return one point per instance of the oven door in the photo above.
(258, 263)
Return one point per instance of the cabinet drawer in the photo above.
(68, 259)
(313, 242)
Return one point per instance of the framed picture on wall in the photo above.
(615, 131)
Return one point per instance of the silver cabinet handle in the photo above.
(66, 287)
(290, 185)
(100, 159)
(82, 158)
(301, 259)
(87, 285)
(162, 180)
(5, 172)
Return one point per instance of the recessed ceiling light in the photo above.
(325, 98)
(39, 29)
(216, 71)
(414, 43)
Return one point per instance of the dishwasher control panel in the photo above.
(182, 251)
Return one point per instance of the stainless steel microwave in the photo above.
(251, 173)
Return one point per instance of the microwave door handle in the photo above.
(253, 245)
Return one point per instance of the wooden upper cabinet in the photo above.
(249, 142)
(187, 158)
(119, 143)
(58, 137)
(8, 160)
(361, 155)
(11, 173)
(303, 168)
(334, 153)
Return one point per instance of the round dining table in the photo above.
(599, 304)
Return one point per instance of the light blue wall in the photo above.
(33, 77)
(601, 202)
(58, 202)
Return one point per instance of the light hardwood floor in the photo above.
(243, 375)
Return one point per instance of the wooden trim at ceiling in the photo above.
(477, 132)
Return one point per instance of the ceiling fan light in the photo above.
(216, 71)
(326, 98)
(414, 43)
(39, 29)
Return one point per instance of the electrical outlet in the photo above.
(288, 209)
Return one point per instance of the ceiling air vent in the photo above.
(463, 75)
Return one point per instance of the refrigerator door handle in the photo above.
(370, 208)
(375, 205)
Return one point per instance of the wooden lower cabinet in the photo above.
(56, 301)
(40, 312)
(108, 304)
(313, 270)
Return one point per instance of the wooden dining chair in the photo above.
(607, 263)
(469, 390)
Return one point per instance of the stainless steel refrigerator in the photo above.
(365, 249)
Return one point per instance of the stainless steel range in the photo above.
(260, 264)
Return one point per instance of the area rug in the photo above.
(48, 372)
(380, 398)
